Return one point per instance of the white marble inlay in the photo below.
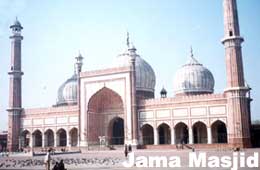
(198, 111)
(217, 110)
(163, 113)
(146, 115)
(62, 120)
(180, 112)
(37, 121)
(73, 119)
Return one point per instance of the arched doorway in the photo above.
(25, 139)
(148, 134)
(219, 132)
(181, 133)
(49, 138)
(116, 131)
(61, 138)
(102, 106)
(74, 137)
(37, 136)
(164, 134)
(199, 133)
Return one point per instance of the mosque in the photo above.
(117, 105)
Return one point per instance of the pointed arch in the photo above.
(102, 106)
(116, 131)
(105, 99)
(61, 137)
(37, 138)
(74, 136)
(147, 134)
(199, 132)
(181, 133)
(25, 138)
(164, 133)
(49, 137)
(219, 132)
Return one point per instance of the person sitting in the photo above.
(56, 166)
(61, 165)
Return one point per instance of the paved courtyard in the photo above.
(103, 160)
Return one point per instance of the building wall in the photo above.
(52, 118)
(189, 110)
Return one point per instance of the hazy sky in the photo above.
(162, 31)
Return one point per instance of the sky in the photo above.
(162, 31)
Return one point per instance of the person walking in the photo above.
(126, 150)
(129, 148)
(47, 160)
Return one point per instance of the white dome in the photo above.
(145, 77)
(193, 78)
(67, 93)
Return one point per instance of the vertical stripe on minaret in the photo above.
(238, 123)
(15, 88)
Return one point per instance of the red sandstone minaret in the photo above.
(15, 87)
(238, 113)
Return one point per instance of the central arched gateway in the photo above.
(105, 117)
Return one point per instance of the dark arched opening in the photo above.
(61, 137)
(74, 137)
(199, 133)
(147, 134)
(117, 129)
(181, 133)
(164, 134)
(219, 132)
(49, 138)
(37, 135)
(25, 139)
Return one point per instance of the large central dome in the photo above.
(145, 76)
(193, 78)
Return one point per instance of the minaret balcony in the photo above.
(232, 38)
(15, 73)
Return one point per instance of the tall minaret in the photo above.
(238, 113)
(78, 69)
(15, 87)
(134, 120)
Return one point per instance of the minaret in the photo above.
(132, 54)
(15, 87)
(78, 69)
(238, 113)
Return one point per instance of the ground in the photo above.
(103, 160)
